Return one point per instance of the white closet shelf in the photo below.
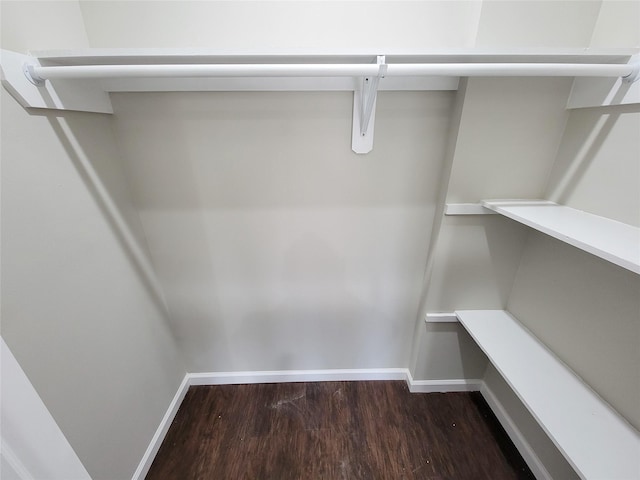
(81, 79)
(85, 56)
(608, 239)
(595, 440)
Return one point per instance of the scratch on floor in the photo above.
(344, 465)
(286, 401)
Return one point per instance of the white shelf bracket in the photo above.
(364, 104)
(634, 76)
(441, 317)
(599, 92)
(31, 91)
(467, 209)
(32, 76)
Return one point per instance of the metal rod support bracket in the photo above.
(635, 73)
(369, 94)
(82, 82)
(32, 76)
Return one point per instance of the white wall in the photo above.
(515, 140)
(277, 246)
(260, 25)
(617, 24)
(537, 24)
(80, 308)
(33, 446)
(593, 321)
(598, 163)
(585, 309)
(507, 136)
(25, 25)
(476, 257)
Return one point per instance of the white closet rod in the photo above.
(39, 73)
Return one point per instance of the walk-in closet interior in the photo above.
(207, 192)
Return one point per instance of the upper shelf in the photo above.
(613, 241)
(81, 79)
(95, 56)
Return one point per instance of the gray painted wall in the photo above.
(274, 246)
(585, 309)
(278, 247)
(81, 310)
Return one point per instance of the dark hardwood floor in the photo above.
(334, 430)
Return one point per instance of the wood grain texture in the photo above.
(334, 430)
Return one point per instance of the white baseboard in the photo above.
(444, 386)
(337, 375)
(282, 376)
(516, 436)
(161, 432)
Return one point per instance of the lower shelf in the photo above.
(595, 440)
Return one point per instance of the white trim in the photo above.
(528, 454)
(104, 55)
(37, 73)
(441, 317)
(281, 376)
(339, 375)
(467, 209)
(31, 442)
(161, 432)
(443, 386)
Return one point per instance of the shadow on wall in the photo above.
(273, 242)
(100, 180)
(119, 223)
(450, 349)
(316, 309)
(270, 246)
(478, 257)
(582, 154)
(106, 180)
(506, 240)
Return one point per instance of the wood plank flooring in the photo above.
(334, 430)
